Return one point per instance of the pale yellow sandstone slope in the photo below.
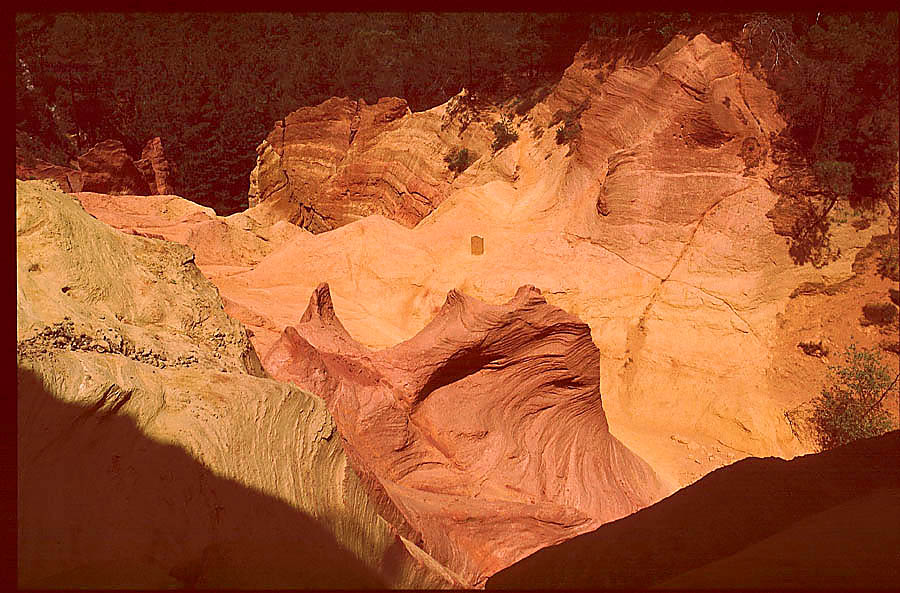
(149, 455)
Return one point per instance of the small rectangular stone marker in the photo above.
(477, 245)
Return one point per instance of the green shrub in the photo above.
(888, 264)
(835, 176)
(879, 314)
(569, 132)
(852, 407)
(504, 135)
(459, 159)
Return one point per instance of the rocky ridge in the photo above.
(108, 169)
(483, 436)
(153, 452)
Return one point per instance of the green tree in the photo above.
(840, 100)
(212, 85)
(851, 407)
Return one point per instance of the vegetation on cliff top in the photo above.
(211, 85)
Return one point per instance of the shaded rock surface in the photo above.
(67, 178)
(156, 170)
(820, 522)
(107, 169)
(483, 436)
(152, 450)
(73, 270)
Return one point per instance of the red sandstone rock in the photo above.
(343, 160)
(156, 170)
(107, 169)
(68, 179)
(483, 438)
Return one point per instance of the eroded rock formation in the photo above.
(650, 225)
(152, 450)
(642, 196)
(156, 170)
(234, 242)
(483, 437)
(328, 165)
(67, 178)
(107, 169)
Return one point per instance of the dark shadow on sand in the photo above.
(141, 514)
(734, 508)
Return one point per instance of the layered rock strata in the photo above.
(108, 169)
(325, 166)
(152, 450)
(483, 437)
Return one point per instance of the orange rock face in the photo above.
(156, 170)
(483, 437)
(328, 165)
(107, 169)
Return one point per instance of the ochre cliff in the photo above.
(328, 165)
(106, 168)
(631, 242)
(152, 451)
(650, 225)
(483, 436)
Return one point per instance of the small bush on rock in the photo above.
(459, 159)
(568, 132)
(879, 314)
(504, 135)
(852, 407)
(835, 176)
(889, 263)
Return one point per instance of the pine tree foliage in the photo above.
(213, 85)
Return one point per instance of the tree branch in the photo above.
(883, 395)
